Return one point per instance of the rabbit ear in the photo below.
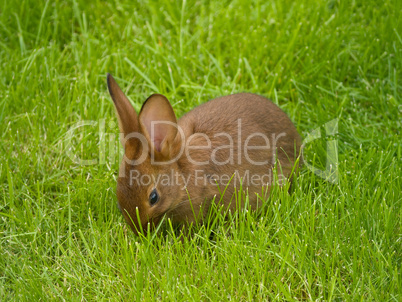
(159, 123)
(128, 121)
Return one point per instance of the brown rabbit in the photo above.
(177, 168)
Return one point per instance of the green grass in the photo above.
(61, 234)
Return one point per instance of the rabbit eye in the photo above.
(153, 197)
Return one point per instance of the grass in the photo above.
(61, 234)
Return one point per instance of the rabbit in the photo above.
(176, 168)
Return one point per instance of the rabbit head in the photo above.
(151, 140)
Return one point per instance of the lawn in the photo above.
(62, 236)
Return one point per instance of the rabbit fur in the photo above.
(177, 168)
